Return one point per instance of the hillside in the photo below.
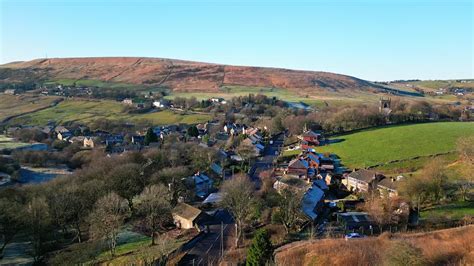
(12, 106)
(87, 111)
(180, 76)
(444, 247)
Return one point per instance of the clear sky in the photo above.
(374, 40)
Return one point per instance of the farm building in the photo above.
(362, 180)
(186, 216)
(388, 186)
(354, 220)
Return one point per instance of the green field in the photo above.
(12, 105)
(227, 92)
(94, 83)
(456, 210)
(372, 147)
(432, 85)
(9, 143)
(413, 165)
(84, 111)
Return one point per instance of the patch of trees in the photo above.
(343, 119)
(8, 165)
(30, 135)
(94, 202)
(19, 87)
(118, 126)
(436, 183)
(113, 93)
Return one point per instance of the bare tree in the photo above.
(414, 188)
(246, 151)
(376, 208)
(465, 148)
(37, 220)
(289, 209)
(107, 217)
(435, 179)
(10, 222)
(238, 198)
(465, 181)
(154, 204)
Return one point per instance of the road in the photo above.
(265, 162)
(207, 250)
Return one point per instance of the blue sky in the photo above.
(375, 40)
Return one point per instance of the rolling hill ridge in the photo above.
(178, 75)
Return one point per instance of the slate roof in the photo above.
(186, 211)
(310, 133)
(388, 183)
(298, 163)
(313, 157)
(321, 184)
(363, 175)
(310, 200)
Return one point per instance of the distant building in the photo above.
(10, 92)
(89, 142)
(65, 136)
(113, 140)
(298, 166)
(161, 104)
(138, 140)
(202, 184)
(363, 180)
(354, 220)
(218, 100)
(127, 101)
(385, 105)
(77, 139)
(312, 202)
(291, 183)
(309, 138)
(389, 186)
(186, 216)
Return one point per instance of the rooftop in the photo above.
(186, 211)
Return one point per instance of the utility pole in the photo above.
(222, 240)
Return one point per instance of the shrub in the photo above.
(261, 250)
(403, 253)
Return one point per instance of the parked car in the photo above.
(353, 235)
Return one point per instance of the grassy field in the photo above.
(94, 83)
(11, 105)
(314, 99)
(456, 210)
(432, 85)
(9, 143)
(372, 147)
(436, 84)
(84, 111)
(414, 165)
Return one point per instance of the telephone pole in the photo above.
(222, 240)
